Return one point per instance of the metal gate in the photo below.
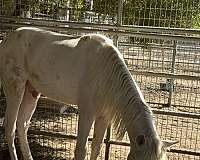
(164, 61)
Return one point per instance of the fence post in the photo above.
(119, 12)
(172, 71)
(119, 19)
(107, 142)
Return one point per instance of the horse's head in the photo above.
(145, 143)
(148, 148)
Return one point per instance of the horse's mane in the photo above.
(123, 101)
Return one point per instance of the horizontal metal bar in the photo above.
(109, 31)
(178, 114)
(188, 152)
(165, 105)
(51, 133)
(167, 75)
(128, 57)
(108, 26)
(73, 137)
(112, 142)
(163, 46)
(156, 111)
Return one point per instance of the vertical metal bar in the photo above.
(119, 23)
(171, 81)
(115, 40)
(119, 19)
(120, 12)
(107, 142)
(150, 51)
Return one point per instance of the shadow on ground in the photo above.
(38, 152)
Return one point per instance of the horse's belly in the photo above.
(55, 70)
(58, 89)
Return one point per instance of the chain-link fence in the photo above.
(164, 61)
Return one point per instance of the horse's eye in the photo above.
(140, 140)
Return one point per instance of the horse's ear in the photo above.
(167, 143)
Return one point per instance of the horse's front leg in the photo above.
(26, 111)
(86, 119)
(101, 123)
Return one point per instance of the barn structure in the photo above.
(160, 42)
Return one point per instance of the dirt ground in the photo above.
(54, 148)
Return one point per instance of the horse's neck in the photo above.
(141, 114)
(142, 124)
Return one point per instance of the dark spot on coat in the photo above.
(32, 90)
(57, 76)
(34, 93)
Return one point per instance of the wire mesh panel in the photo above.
(155, 64)
(161, 13)
(67, 10)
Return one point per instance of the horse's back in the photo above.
(55, 64)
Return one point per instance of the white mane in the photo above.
(124, 101)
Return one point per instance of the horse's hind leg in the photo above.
(26, 111)
(14, 92)
(101, 123)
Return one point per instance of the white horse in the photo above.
(88, 71)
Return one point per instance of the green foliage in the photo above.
(49, 7)
(106, 7)
(160, 13)
(196, 21)
(7, 7)
(53, 7)
(78, 6)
